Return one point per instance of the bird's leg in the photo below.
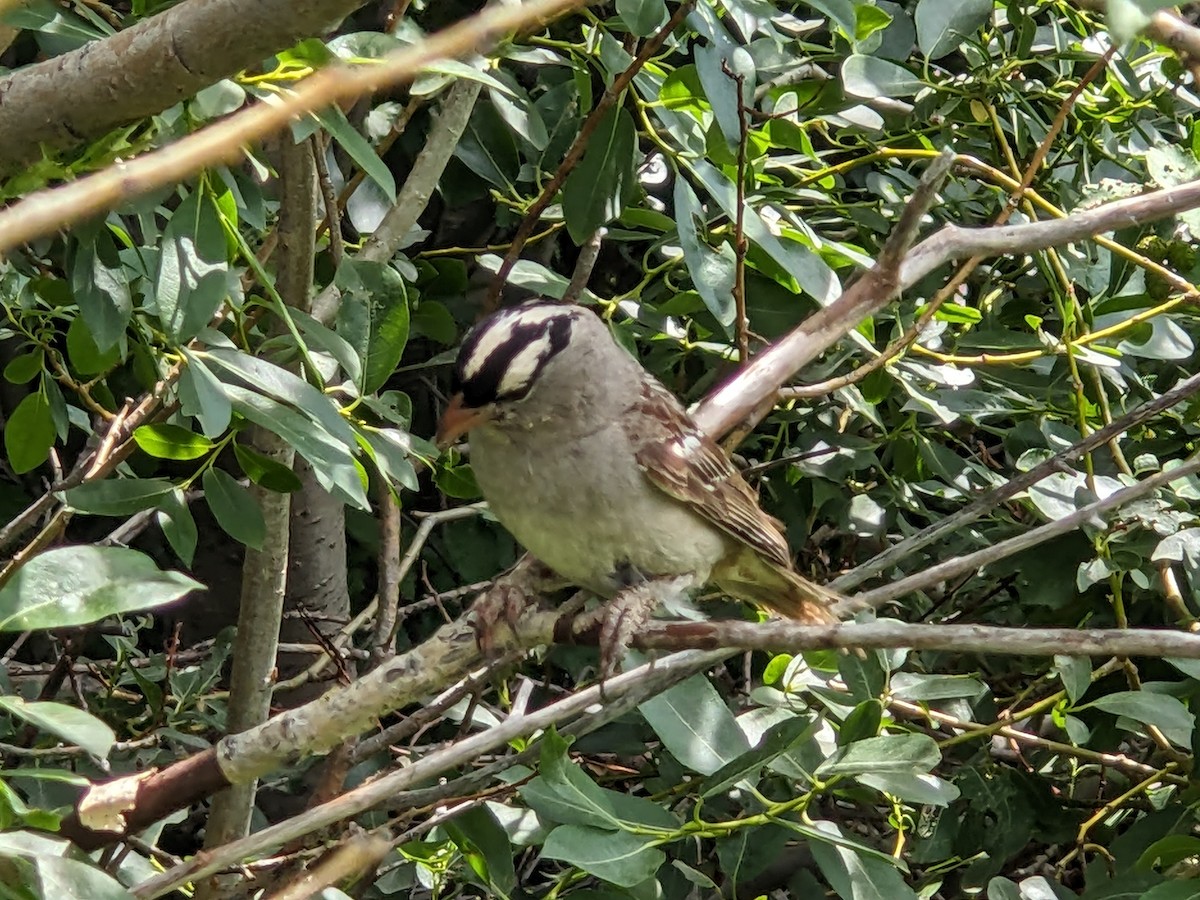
(518, 589)
(621, 617)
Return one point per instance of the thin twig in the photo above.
(970, 562)
(588, 255)
(644, 681)
(52, 210)
(1014, 486)
(740, 244)
(575, 152)
(388, 564)
(332, 220)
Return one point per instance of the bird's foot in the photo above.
(622, 616)
(516, 591)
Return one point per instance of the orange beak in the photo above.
(456, 421)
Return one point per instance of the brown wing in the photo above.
(678, 458)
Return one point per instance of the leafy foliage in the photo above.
(767, 148)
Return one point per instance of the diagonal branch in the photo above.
(50, 211)
(76, 96)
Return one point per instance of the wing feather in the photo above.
(684, 462)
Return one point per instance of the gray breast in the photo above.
(583, 507)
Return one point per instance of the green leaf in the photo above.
(358, 148)
(916, 788)
(286, 387)
(856, 873)
(598, 189)
(234, 508)
(75, 726)
(915, 686)
(778, 739)
(62, 877)
(617, 857)
(118, 496)
(955, 313)
(24, 368)
(944, 25)
(1168, 851)
(885, 754)
(178, 526)
(867, 21)
(796, 262)
(100, 286)
(331, 461)
(29, 433)
(776, 668)
(216, 100)
(869, 77)
(862, 722)
(71, 586)
(191, 284)
(373, 318)
(319, 337)
(642, 17)
(266, 472)
(839, 12)
(388, 449)
(457, 482)
(748, 851)
(85, 356)
(165, 441)
(1160, 710)
(489, 150)
(713, 271)
(479, 836)
(1075, 672)
(202, 395)
(696, 726)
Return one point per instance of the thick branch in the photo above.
(50, 211)
(746, 394)
(145, 69)
(645, 681)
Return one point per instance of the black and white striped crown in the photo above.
(501, 356)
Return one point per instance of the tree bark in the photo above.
(145, 69)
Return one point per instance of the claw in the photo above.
(515, 592)
(622, 616)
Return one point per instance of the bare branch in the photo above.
(147, 68)
(779, 636)
(645, 681)
(750, 392)
(49, 211)
(1014, 486)
(962, 565)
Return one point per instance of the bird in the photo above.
(598, 471)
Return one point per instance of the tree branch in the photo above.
(962, 565)
(76, 96)
(50, 211)
(779, 635)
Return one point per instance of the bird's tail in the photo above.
(754, 579)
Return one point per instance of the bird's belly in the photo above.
(605, 523)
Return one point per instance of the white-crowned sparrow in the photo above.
(599, 472)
